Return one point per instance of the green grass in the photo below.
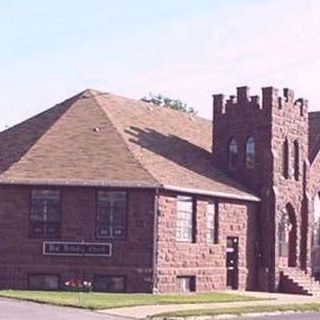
(95, 300)
(243, 310)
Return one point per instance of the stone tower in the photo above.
(263, 144)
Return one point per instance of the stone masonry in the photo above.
(205, 261)
(157, 154)
(271, 121)
(21, 255)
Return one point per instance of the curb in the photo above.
(232, 316)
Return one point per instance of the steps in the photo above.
(294, 280)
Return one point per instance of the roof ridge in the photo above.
(122, 138)
(103, 100)
(96, 93)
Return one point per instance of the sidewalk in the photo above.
(141, 312)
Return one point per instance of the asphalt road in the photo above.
(18, 310)
(289, 316)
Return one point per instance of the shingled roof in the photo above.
(99, 139)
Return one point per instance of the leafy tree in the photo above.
(166, 102)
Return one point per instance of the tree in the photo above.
(167, 102)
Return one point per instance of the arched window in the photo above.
(296, 159)
(250, 153)
(232, 154)
(285, 159)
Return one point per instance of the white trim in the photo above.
(138, 185)
(247, 197)
(81, 183)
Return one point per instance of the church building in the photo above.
(136, 197)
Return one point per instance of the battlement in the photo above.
(270, 99)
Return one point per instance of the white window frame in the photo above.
(185, 219)
(211, 222)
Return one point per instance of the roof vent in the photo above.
(86, 94)
(96, 129)
(192, 119)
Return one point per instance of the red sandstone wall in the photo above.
(270, 121)
(205, 261)
(240, 117)
(20, 255)
(290, 120)
(313, 190)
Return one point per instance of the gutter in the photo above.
(127, 184)
(219, 194)
(80, 183)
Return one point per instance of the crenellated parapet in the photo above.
(262, 142)
(271, 119)
(255, 104)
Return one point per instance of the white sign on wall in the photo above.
(72, 248)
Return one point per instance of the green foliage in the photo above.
(167, 102)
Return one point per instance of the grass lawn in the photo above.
(96, 300)
(242, 310)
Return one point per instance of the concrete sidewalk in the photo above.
(141, 312)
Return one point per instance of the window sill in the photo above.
(43, 238)
(186, 242)
(110, 239)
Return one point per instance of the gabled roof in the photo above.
(99, 139)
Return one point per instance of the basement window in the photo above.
(105, 283)
(43, 282)
(186, 283)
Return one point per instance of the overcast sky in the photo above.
(50, 50)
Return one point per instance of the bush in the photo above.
(78, 285)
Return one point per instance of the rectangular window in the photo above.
(109, 283)
(186, 283)
(43, 282)
(112, 213)
(185, 219)
(45, 214)
(211, 223)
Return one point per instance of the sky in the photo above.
(51, 50)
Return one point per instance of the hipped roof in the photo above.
(100, 139)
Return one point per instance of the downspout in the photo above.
(155, 242)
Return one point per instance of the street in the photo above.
(17, 310)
